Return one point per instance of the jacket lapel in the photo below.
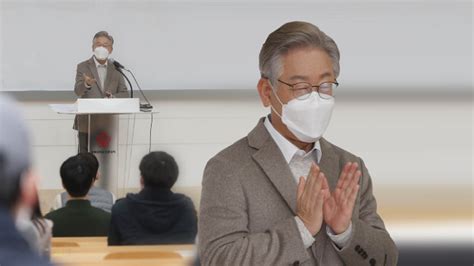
(93, 69)
(110, 68)
(271, 160)
(329, 163)
(269, 157)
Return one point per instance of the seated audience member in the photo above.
(155, 215)
(99, 198)
(78, 218)
(36, 230)
(17, 187)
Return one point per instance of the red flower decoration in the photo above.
(103, 139)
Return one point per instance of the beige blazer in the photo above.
(114, 83)
(248, 205)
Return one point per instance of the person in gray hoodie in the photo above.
(155, 215)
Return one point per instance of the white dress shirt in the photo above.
(288, 150)
(102, 71)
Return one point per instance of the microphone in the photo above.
(117, 64)
(119, 68)
(144, 107)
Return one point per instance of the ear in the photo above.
(265, 91)
(142, 183)
(92, 184)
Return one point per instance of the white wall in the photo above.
(207, 44)
(403, 140)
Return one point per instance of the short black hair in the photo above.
(159, 169)
(77, 175)
(93, 162)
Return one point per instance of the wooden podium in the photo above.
(103, 131)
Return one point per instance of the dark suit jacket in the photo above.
(114, 83)
(14, 250)
(79, 218)
(248, 205)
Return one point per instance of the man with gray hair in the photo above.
(284, 195)
(97, 77)
(17, 186)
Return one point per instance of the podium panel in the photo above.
(104, 144)
(103, 131)
(108, 106)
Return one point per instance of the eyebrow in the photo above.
(105, 43)
(306, 78)
(299, 77)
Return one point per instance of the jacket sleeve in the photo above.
(80, 88)
(122, 91)
(370, 243)
(224, 237)
(113, 238)
(192, 219)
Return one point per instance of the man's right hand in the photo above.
(88, 80)
(310, 199)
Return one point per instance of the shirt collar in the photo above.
(287, 148)
(97, 64)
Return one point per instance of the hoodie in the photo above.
(153, 216)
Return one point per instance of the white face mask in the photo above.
(307, 119)
(101, 53)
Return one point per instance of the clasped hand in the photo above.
(315, 201)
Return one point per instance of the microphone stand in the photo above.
(144, 107)
(147, 106)
(129, 83)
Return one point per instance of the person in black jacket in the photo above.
(155, 215)
(79, 217)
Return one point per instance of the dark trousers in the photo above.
(83, 141)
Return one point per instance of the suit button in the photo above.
(372, 262)
(365, 256)
(357, 248)
(296, 263)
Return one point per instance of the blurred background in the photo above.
(404, 105)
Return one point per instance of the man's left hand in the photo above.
(339, 204)
(108, 94)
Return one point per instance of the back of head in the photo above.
(293, 35)
(77, 175)
(14, 151)
(92, 161)
(159, 169)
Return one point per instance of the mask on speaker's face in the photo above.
(101, 53)
(307, 119)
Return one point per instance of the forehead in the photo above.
(306, 64)
(102, 40)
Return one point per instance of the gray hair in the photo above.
(105, 34)
(296, 34)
